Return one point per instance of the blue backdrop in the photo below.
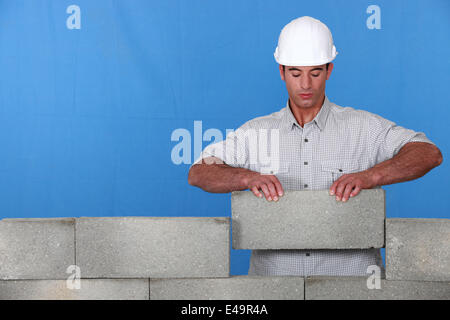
(92, 92)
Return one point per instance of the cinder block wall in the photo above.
(188, 258)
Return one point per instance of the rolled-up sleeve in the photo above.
(390, 138)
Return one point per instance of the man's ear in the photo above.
(330, 68)
(281, 71)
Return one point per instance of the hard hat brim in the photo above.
(318, 62)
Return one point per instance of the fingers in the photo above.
(345, 188)
(269, 186)
(256, 192)
(266, 191)
(348, 189)
(269, 191)
(273, 191)
(340, 187)
(355, 191)
(278, 186)
(333, 187)
(275, 188)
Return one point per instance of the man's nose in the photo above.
(305, 82)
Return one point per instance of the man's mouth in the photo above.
(306, 95)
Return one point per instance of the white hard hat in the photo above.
(305, 41)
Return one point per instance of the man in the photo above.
(320, 146)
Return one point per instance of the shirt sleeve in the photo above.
(390, 138)
(233, 151)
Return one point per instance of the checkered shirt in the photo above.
(339, 140)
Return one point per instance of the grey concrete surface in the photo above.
(36, 248)
(90, 289)
(149, 247)
(418, 249)
(356, 288)
(233, 288)
(308, 220)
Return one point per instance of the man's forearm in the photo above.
(219, 178)
(413, 161)
(215, 176)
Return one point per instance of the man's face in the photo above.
(306, 85)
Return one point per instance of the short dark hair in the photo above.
(325, 66)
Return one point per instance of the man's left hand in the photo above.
(349, 185)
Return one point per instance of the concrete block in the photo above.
(355, 288)
(308, 220)
(418, 249)
(91, 289)
(36, 248)
(152, 247)
(233, 288)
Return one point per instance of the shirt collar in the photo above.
(320, 119)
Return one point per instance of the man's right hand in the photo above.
(269, 185)
(215, 176)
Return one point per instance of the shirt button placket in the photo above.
(308, 264)
(306, 157)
